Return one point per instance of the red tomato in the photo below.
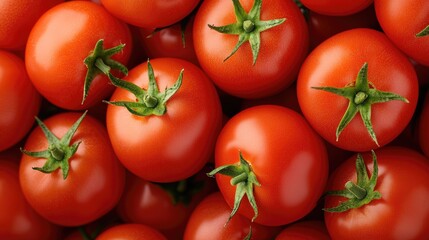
(162, 13)
(58, 44)
(336, 63)
(286, 156)
(281, 52)
(411, 17)
(401, 213)
(177, 144)
(131, 232)
(306, 230)
(95, 179)
(168, 42)
(336, 7)
(208, 222)
(19, 100)
(423, 127)
(17, 219)
(17, 19)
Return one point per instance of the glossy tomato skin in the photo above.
(95, 180)
(403, 181)
(336, 63)
(409, 16)
(162, 13)
(179, 143)
(131, 231)
(19, 100)
(423, 127)
(282, 50)
(17, 18)
(336, 7)
(288, 158)
(58, 44)
(17, 219)
(306, 230)
(208, 222)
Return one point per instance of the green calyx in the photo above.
(248, 27)
(424, 32)
(150, 101)
(360, 193)
(99, 61)
(59, 151)
(361, 97)
(244, 179)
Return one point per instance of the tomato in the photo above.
(59, 43)
(278, 159)
(423, 128)
(17, 18)
(88, 184)
(308, 230)
(412, 18)
(208, 222)
(131, 232)
(403, 183)
(270, 65)
(161, 13)
(173, 41)
(172, 145)
(17, 219)
(336, 7)
(19, 100)
(362, 64)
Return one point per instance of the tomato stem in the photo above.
(56, 153)
(360, 97)
(239, 178)
(424, 32)
(248, 26)
(357, 191)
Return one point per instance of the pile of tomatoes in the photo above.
(214, 119)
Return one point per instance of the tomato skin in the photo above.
(54, 54)
(95, 180)
(403, 181)
(17, 219)
(409, 16)
(282, 50)
(423, 128)
(161, 13)
(336, 7)
(208, 222)
(286, 155)
(306, 230)
(19, 100)
(130, 231)
(17, 18)
(173, 146)
(336, 63)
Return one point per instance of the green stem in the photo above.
(360, 97)
(354, 189)
(239, 178)
(57, 153)
(150, 101)
(248, 26)
(99, 63)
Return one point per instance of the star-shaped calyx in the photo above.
(59, 151)
(424, 32)
(248, 27)
(361, 97)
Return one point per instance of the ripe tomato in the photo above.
(17, 19)
(336, 7)
(412, 18)
(162, 13)
(58, 44)
(308, 230)
(177, 144)
(339, 62)
(208, 222)
(283, 153)
(95, 178)
(19, 100)
(17, 219)
(423, 127)
(400, 213)
(131, 231)
(277, 52)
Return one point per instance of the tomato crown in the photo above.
(360, 193)
(248, 27)
(361, 97)
(59, 150)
